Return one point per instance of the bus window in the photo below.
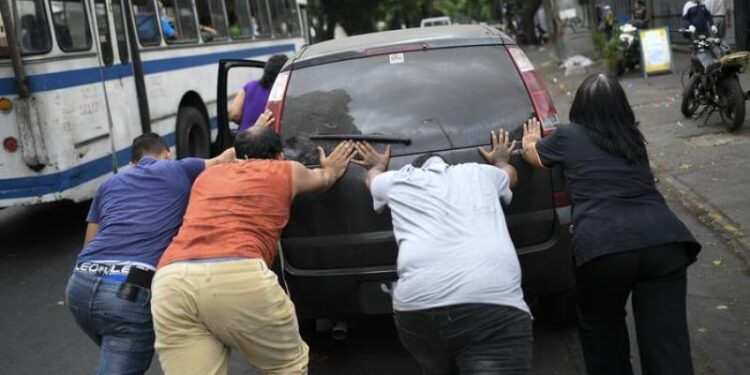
(213, 23)
(32, 29)
(71, 25)
(102, 25)
(177, 20)
(122, 44)
(240, 18)
(3, 40)
(259, 14)
(284, 17)
(144, 13)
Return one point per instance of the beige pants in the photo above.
(201, 310)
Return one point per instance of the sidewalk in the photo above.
(707, 166)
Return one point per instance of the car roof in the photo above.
(430, 37)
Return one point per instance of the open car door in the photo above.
(243, 71)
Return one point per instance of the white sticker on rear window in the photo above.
(396, 58)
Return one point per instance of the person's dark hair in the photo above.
(147, 144)
(272, 69)
(258, 143)
(601, 106)
(419, 161)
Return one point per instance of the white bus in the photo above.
(88, 76)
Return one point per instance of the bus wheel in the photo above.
(193, 137)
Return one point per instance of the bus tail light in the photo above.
(276, 99)
(5, 105)
(10, 144)
(540, 99)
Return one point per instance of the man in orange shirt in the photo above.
(213, 290)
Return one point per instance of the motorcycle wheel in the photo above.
(690, 102)
(732, 103)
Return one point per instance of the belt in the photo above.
(121, 272)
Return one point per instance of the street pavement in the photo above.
(701, 171)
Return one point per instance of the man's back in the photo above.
(140, 209)
(454, 245)
(235, 210)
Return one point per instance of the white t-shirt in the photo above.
(454, 245)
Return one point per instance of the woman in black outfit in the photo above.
(625, 238)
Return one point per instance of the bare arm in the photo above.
(228, 156)
(91, 230)
(332, 167)
(499, 155)
(375, 163)
(235, 109)
(532, 132)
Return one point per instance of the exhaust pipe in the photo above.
(340, 330)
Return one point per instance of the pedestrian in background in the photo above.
(626, 241)
(251, 100)
(698, 19)
(721, 10)
(132, 219)
(640, 15)
(214, 289)
(458, 303)
(608, 22)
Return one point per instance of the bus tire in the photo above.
(193, 138)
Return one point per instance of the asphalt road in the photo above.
(39, 336)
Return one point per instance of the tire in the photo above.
(733, 103)
(690, 103)
(193, 136)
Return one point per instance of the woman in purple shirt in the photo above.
(250, 102)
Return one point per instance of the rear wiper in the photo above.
(361, 137)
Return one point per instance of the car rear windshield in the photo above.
(439, 99)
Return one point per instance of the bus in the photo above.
(79, 79)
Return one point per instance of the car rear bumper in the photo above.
(325, 293)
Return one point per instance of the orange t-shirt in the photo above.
(235, 210)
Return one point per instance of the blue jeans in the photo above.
(122, 329)
(468, 339)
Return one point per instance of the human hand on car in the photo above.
(265, 119)
(502, 146)
(339, 158)
(532, 132)
(371, 159)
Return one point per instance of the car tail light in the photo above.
(540, 99)
(561, 199)
(276, 99)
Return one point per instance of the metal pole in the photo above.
(140, 85)
(14, 49)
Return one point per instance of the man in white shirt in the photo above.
(458, 302)
(721, 10)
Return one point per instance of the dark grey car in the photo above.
(430, 90)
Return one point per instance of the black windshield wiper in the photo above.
(361, 137)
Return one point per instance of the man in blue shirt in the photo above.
(132, 219)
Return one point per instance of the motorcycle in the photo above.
(628, 49)
(713, 84)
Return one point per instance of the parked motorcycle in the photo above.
(629, 49)
(713, 85)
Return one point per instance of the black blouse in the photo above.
(616, 206)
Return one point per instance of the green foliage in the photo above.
(607, 49)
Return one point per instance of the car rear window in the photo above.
(440, 99)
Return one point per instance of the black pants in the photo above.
(656, 277)
(476, 339)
